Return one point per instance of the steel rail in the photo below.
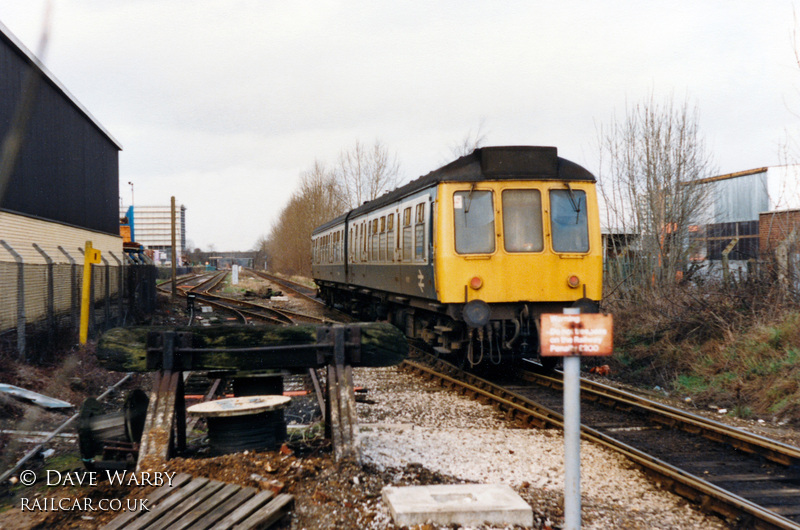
(697, 490)
(181, 280)
(288, 284)
(279, 316)
(202, 290)
(772, 450)
(297, 289)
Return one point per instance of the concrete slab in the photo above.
(463, 504)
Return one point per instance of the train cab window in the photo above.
(419, 233)
(407, 234)
(390, 237)
(474, 221)
(522, 221)
(568, 221)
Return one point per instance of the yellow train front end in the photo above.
(508, 250)
(518, 241)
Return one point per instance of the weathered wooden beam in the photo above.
(158, 437)
(249, 348)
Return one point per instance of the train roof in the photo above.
(486, 163)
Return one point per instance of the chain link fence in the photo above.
(41, 302)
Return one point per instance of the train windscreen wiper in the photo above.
(469, 199)
(576, 204)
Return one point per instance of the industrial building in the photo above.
(152, 228)
(751, 213)
(60, 189)
(747, 218)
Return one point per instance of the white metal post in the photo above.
(572, 437)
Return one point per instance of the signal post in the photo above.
(571, 335)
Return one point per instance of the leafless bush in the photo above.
(648, 162)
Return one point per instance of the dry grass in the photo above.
(736, 346)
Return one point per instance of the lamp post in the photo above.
(131, 184)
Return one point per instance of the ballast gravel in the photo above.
(410, 421)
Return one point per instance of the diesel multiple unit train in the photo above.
(468, 256)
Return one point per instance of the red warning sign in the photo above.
(567, 335)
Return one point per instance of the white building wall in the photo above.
(152, 227)
(783, 184)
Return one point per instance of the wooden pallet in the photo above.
(199, 504)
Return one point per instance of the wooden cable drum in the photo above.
(243, 423)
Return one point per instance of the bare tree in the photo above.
(364, 173)
(650, 162)
(317, 201)
(470, 142)
(262, 256)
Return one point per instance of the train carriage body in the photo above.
(468, 256)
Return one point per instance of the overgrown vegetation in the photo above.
(735, 345)
(732, 342)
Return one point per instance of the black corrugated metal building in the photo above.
(68, 167)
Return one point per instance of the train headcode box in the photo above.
(567, 335)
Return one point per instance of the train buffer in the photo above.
(171, 351)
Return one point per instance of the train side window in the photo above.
(522, 221)
(374, 241)
(407, 234)
(382, 240)
(419, 233)
(474, 222)
(568, 221)
(390, 237)
(367, 234)
(363, 241)
(354, 257)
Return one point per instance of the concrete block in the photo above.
(463, 504)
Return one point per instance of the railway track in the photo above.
(203, 287)
(309, 293)
(749, 480)
(303, 291)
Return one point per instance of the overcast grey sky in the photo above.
(225, 103)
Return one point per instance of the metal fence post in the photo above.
(21, 321)
(92, 313)
(51, 314)
(120, 274)
(107, 304)
(73, 304)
